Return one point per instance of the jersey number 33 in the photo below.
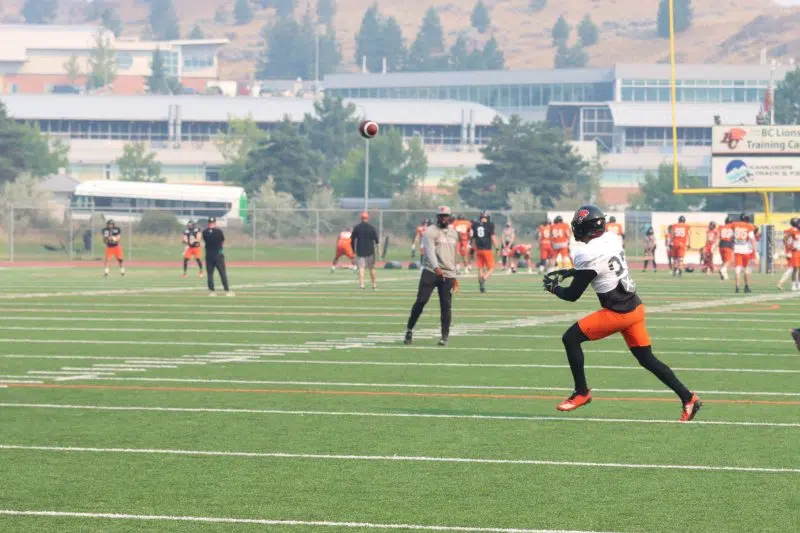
(619, 266)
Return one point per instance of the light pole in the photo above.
(772, 93)
(317, 31)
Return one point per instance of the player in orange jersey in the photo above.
(546, 252)
(112, 236)
(744, 249)
(521, 251)
(561, 233)
(464, 229)
(712, 242)
(344, 247)
(725, 247)
(796, 256)
(615, 227)
(679, 237)
(788, 251)
(418, 238)
(191, 241)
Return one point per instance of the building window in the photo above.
(198, 62)
(124, 60)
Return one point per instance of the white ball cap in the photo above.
(444, 210)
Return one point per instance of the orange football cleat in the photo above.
(690, 408)
(574, 401)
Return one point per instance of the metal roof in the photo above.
(637, 114)
(160, 191)
(473, 77)
(219, 108)
(699, 71)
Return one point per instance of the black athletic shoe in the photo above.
(747, 289)
(482, 285)
(443, 341)
(796, 338)
(409, 338)
(737, 290)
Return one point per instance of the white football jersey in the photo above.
(605, 256)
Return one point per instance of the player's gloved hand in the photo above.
(552, 279)
(439, 272)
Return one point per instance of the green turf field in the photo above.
(305, 413)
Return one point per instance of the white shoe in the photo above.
(795, 288)
(333, 269)
(212, 293)
(230, 293)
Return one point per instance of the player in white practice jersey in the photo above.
(601, 264)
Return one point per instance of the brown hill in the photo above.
(730, 31)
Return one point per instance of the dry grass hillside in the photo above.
(730, 31)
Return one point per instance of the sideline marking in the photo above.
(401, 458)
(267, 522)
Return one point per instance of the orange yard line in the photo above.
(377, 393)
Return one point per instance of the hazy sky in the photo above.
(787, 2)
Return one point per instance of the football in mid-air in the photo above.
(368, 129)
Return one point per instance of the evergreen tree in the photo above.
(523, 156)
(39, 11)
(332, 130)
(157, 81)
(426, 50)
(197, 33)
(287, 157)
(588, 32)
(560, 32)
(460, 54)
(683, 17)
(368, 40)
(111, 21)
(571, 57)
(242, 12)
(330, 53)
(23, 149)
(164, 21)
(787, 99)
(326, 11)
(493, 57)
(392, 45)
(102, 62)
(290, 50)
(480, 17)
(537, 5)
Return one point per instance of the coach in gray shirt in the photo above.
(438, 272)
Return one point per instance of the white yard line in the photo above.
(426, 386)
(372, 414)
(401, 458)
(268, 522)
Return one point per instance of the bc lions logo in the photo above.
(580, 215)
(733, 136)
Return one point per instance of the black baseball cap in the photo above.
(212, 219)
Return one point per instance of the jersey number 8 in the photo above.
(481, 232)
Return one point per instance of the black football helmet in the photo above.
(547, 221)
(612, 219)
(728, 220)
(744, 217)
(712, 225)
(681, 219)
(558, 220)
(486, 215)
(110, 223)
(795, 222)
(589, 221)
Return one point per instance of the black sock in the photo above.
(644, 354)
(572, 340)
(200, 265)
(185, 265)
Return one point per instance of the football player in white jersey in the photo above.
(601, 264)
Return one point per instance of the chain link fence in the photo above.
(45, 234)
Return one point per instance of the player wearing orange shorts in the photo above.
(725, 247)
(484, 241)
(521, 251)
(561, 233)
(546, 252)
(344, 247)
(601, 264)
(744, 247)
(796, 255)
(679, 235)
(788, 252)
(712, 242)
(191, 241)
(112, 236)
(464, 229)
